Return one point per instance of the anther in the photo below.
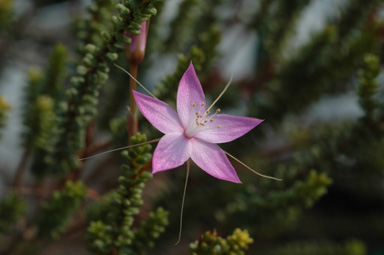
(218, 126)
(193, 105)
(202, 104)
(218, 110)
(207, 112)
(197, 113)
(211, 120)
(205, 121)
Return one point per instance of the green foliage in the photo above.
(187, 16)
(59, 128)
(92, 72)
(261, 15)
(32, 91)
(352, 247)
(4, 108)
(167, 89)
(88, 29)
(44, 89)
(118, 127)
(55, 72)
(354, 14)
(212, 244)
(58, 210)
(278, 205)
(281, 23)
(111, 221)
(348, 148)
(40, 122)
(201, 57)
(149, 230)
(6, 12)
(12, 208)
(368, 85)
(297, 84)
(42, 96)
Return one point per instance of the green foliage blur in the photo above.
(321, 96)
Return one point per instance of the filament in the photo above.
(182, 202)
(221, 94)
(130, 75)
(121, 148)
(262, 175)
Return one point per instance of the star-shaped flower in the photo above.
(193, 132)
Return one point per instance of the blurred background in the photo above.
(310, 68)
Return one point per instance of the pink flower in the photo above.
(193, 132)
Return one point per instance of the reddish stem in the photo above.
(133, 124)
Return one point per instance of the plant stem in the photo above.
(133, 124)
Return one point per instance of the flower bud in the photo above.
(134, 52)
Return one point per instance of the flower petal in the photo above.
(189, 93)
(231, 128)
(172, 151)
(160, 114)
(212, 159)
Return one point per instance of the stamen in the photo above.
(201, 120)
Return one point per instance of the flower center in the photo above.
(200, 119)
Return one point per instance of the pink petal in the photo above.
(189, 93)
(212, 159)
(160, 114)
(231, 128)
(172, 151)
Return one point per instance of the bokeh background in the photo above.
(310, 68)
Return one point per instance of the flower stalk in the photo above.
(133, 123)
(134, 54)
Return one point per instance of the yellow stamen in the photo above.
(218, 126)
